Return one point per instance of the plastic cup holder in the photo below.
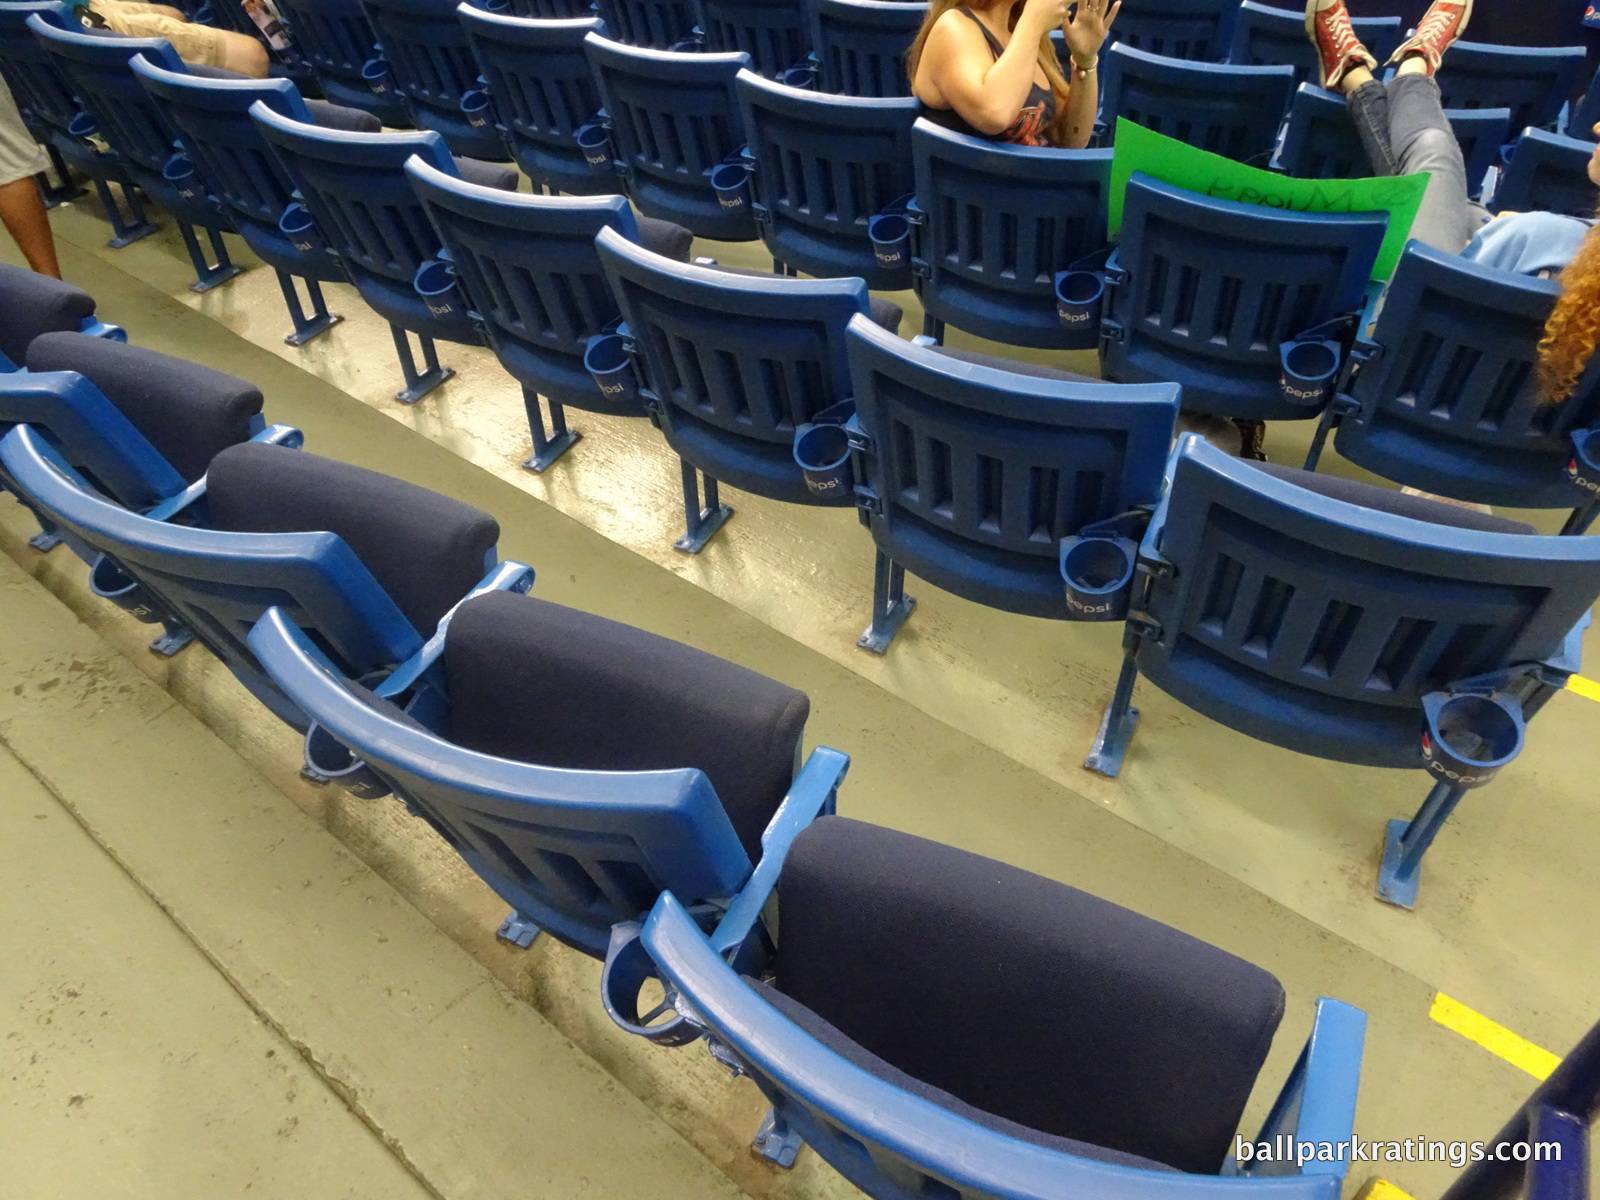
(179, 172)
(799, 77)
(1097, 573)
(436, 283)
(1308, 373)
(1584, 469)
(110, 582)
(891, 240)
(332, 760)
(595, 141)
(823, 454)
(82, 126)
(609, 364)
(478, 108)
(1467, 738)
(296, 225)
(375, 73)
(1078, 295)
(731, 182)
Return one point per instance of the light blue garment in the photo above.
(1528, 243)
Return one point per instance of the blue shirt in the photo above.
(1528, 243)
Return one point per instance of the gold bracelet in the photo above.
(1083, 70)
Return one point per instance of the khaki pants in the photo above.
(20, 156)
(193, 43)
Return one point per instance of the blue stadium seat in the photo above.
(1585, 114)
(731, 365)
(997, 222)
(1266, 35)
(359, 196)
(1199, 30)
(980, 475)
(1320, 140)
(1232, 111)
(657, 24)
(984, 1092)
(1445, 395)
(432, 65)
(336, 40)
(1547, 173)
(772, 32)
(1354, 623)
(674, 119)
(1206, 293)
(32, 304)
(43, 100)
(212, 117)
(1534, 82)
(543, 94)
(860, 46)
(820, 168)
(539, 10)
(102, 78)
(368, 565)
(530, 267)
(581, 767)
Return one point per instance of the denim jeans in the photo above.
(1404, 131)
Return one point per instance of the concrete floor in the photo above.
(971, 731)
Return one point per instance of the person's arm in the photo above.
(958, 71)
(1085, 34)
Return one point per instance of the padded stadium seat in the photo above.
(336, 40)
(1547, 173)
(1445, 396)
(923, 1021)
(820, 168)
(102, 78)
(1353, 623)
(1232, 111)
(367, 564)
(1533, 82)
(1205, 293)
(355, 187)
(579, 766)
(980, 475)
(731, 364)
(48, 107)
(543, 94)
(674, 119)
(33, 304)
(658, 24)
(996, 223)
(530, 265)
(432, 66)
(860, 45)
(1264, 35)
(772, 32)
(1199, 30)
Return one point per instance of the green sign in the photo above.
(1175, 162)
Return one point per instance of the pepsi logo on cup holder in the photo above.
(594, 139)
(822, 453)
(731, 182)
(110, 582)
(891, 239)
(1078, 295)
(435, 282)
(179, 172)
(296, 225)
(1097, 573)
(375, 73)
(330, 760)
(1309, 370)
(1584, 468)
(477, 108)
(609, 364)
(1467, 737)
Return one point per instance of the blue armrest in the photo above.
(273, 435)
(100, 329)
(508, 576)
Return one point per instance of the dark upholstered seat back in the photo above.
(188, 412)
(1022, 996)
(427, 550)
(544, 684)
(32, 304)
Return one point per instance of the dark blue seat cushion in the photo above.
(541, 683)
(1418, 508)
(666, 238)
(486, 174)
(31, 304)
(426, 550)
(1023, 997)
(187, 412)
(340, 117)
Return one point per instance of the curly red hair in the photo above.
(1573, 330)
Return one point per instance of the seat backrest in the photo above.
(334, 36)
(1585, 113)
(34, 75)
(32, 304)
(1547, 173)
(772, 32)
(1228, 110)
(529, 263)
(1193, 29)
(750, 356)
(1266, 35)
(576, 847)
(357, 191)
(674, 119)
(1319, 625)
(1207, 289)
(1452, 403)
(1533, 82)
(539, 10)
(660, 24)
(999, 222)
(861, 45)
(1009, 461)
(427, 52)
(825, 165)
(543, 92)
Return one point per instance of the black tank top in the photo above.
(1031, 123)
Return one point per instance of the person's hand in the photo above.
(1086, 31)
(1044, 15)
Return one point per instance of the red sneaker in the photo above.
(1441, 25)
(1338, 48)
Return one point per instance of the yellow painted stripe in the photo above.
(1584, 687)
(1495, 1038)
(1382, 1189)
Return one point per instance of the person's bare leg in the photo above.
(1354, 78)
(244, 55)
(23, 214)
